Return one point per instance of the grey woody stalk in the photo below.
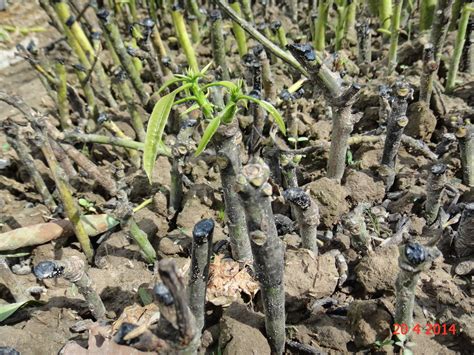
(73, 269)
(268, 83)
(434, 190)
(364, 40)
(414, 258)
(218, 44)
(307, 216)
(188, 335)
(397, 121)
(268, 250)
(429, 68)
(464, 241)
(23, 152)
(228, 139)
(339, 98)
(199, 272)
(465, 137)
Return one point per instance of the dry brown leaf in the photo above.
(227, 281)
(101, 343)
(138, 315)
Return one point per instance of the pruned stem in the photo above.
(434, 189)
(268, 251)
(238, 31)
(319, 37)
(307, 216)
(395, 31)
(414, 258)
(199, 271)
(465, 136)
(183, 38)
(73, 269)
(427, 75)
(364, 39)
(61, 90)
(228, 139)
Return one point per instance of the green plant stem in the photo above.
(218, 45)
(238, 31)
(183, 38)
(137, 120)
(199, 271)
(101, 139)
(195, 30)
(141, 238)
(274, 49)
(247, 10)
(61, 90)
(319, 38)
(427, 9)
(465, 137)
(267, 249)
(395, 31)
(455, 13)
(385, 13)
(70, 207)
(307, 216)
(228, 139)
(434, 189)
(111, 29)
(87, 89)
(193, 7)
(458, 46)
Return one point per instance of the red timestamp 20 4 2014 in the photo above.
(427, 329)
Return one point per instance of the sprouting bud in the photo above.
(203, 230)
(215, 15)
(415, 253)
(48, 270)
(163, 294)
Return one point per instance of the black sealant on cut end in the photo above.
(203, 229)
(298, 196)
(215, 15)
(415, 253)
(103, 14)
(303, 50)
(48, 270)
(163, 294)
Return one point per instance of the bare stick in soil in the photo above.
(397, 121)
(465, 137)
(200, 257)
(464, 241)
(228, 139)
(341, 101)
(73, 269)
(364, 39)
(17, 142)
(307, 216)
(429, 68)
(268, 250)
(414, 258)
(434, 190)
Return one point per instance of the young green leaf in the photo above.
(206, 68)
(227, 84)
(208, 133)
(170, 82)
(270, 109)
(6, 310)
(155, 129)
